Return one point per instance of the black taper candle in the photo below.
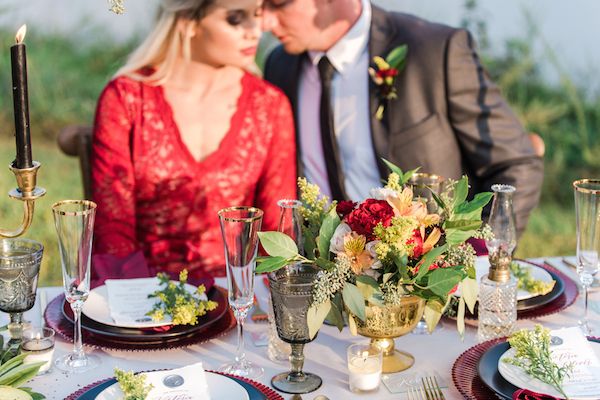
(21, 101)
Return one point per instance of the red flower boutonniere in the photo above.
(385, 73)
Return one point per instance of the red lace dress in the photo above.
(152, 194)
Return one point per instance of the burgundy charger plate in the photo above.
(56, 319)
(465, 373)
(269, 394)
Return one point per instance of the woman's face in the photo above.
(228, 34)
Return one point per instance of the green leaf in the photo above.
(387, 276)
(336, 314)
(397, 57)
(278, 244)
(369, 288)
(393, 168)
(310, 244)
(478, 202)
(438, 200)
(468, 291)
(34, 395)
(330, 223)
(457, 236)
(352, 325)
(461, 190)
(270, 264)
(432, 313)
(315, 316)
(401, 262)
(429, 259)
(325, 264)
(442, 281)
(408, 175)
(461, 224)
(354, 300)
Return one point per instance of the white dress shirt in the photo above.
(350, 105)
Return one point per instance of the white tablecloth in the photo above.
(326, 356)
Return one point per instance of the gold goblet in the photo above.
(384, 324)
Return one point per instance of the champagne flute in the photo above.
(239, 227)
(74, 222)
(587, 213)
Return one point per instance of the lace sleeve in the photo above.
(113, 180)
(278, 180)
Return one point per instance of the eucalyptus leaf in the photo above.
(387, 276)
(432, 313)
(278, 244)
(330, 223)
(325, 264)
(352, 325)
(354, 300)
(270, 264)
(315, 316)
(335, 316)
(469, 290)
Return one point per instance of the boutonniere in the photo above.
(385, 75)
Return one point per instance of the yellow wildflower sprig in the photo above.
(174, 300)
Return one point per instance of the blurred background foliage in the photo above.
(67, 75)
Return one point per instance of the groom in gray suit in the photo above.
(448, 117)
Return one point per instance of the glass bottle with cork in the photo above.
(498, 289)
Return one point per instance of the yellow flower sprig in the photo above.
(174, 300)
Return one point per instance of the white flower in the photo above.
(382, 193)
(370, 247)
(337, 240)
(373, 273)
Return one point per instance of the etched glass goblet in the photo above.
(74, 223)
(587, 212)
(20, 261)
(239, 227)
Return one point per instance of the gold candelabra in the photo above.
(27, 192)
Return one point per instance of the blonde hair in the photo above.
(163, 45)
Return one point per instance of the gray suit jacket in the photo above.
(449, 118)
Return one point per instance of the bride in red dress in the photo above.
(183, 131)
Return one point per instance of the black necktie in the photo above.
(328, 139)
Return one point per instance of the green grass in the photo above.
(60, 176)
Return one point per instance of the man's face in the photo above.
(296, 23)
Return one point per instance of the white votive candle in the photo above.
(364, 367)
(38, 343)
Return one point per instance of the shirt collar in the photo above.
(346, 51)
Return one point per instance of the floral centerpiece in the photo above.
(382, 249)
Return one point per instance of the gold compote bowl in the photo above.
(384, 324)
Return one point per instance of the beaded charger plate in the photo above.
(114, 338)
(466, 377)
(256, 390)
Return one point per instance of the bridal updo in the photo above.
(165, 42)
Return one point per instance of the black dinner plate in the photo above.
(148, 334)
(488, 370)
(92, 393)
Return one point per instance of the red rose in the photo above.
(344, 208)
(369, 213)
(524, 394)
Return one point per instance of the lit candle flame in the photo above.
(21, 34)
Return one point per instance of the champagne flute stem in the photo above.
(240, 353)
(585, 308)
(78, 353)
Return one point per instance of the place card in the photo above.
(400, 382)
(128, 300)
(569, 345)
(186, 383)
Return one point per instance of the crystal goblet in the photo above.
(20, 261)
(291, 291)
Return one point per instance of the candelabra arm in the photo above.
(27, 192)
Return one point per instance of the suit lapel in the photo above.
(380, 40)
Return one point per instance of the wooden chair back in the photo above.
(76, 140)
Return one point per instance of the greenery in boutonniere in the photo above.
(13, 373)
(385, 73)
(526, 282)
(532, 353)
(132, 385)
(174, 300)
(375, 252)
